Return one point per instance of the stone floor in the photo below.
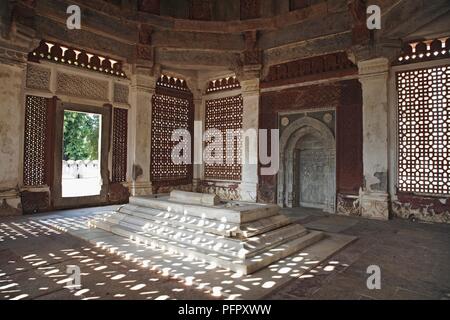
(414, 259)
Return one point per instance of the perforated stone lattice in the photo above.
(119, 145)
(168, 114)
(225, 114)
(34, 142)
(423, 130)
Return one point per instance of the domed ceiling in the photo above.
(222, 35)
(219, 10)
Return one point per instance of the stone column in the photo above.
(374, 198)
(250, 95)
(199, 111)
(12, 82)
(142, 89)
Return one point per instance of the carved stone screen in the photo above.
(119, 145)
(35, 141)
(424, 131)
(225, 114)
(169, 112)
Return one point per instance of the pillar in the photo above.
(12, 79)
(143, 85)
(374, 198)
(199, 112)
(250, 95)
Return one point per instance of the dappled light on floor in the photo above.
(31, 228)
(103, 271)
(92, 270)
(216, 281)
(97, 269)
(24, 230)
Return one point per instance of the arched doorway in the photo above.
(307, 175)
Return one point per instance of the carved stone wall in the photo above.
(431, 209)
(348, 205)
(345, 98)
(33, 202)
(158, 189)
(38, 77)
(315, 68)
(225, 191)
(80, 86)
(294, 182)
(121, 92)
(314, 176)
(118, 193)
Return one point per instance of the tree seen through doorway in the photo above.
(81, 136)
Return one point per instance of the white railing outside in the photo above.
(80, 169)
(81, 178)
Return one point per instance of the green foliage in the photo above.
(81, 136)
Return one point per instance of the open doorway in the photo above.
(82, 147)
(81, 162)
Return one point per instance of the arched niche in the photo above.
(289, 166)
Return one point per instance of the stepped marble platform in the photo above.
(239, 236)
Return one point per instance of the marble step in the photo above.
(240, 236)
(172, 246)
(255, 228)
(244, 266)
(231, 212)
(272, 255)
(195, 197)
(258, 244)
(226, 229)
(207, 225)
(227, 246)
